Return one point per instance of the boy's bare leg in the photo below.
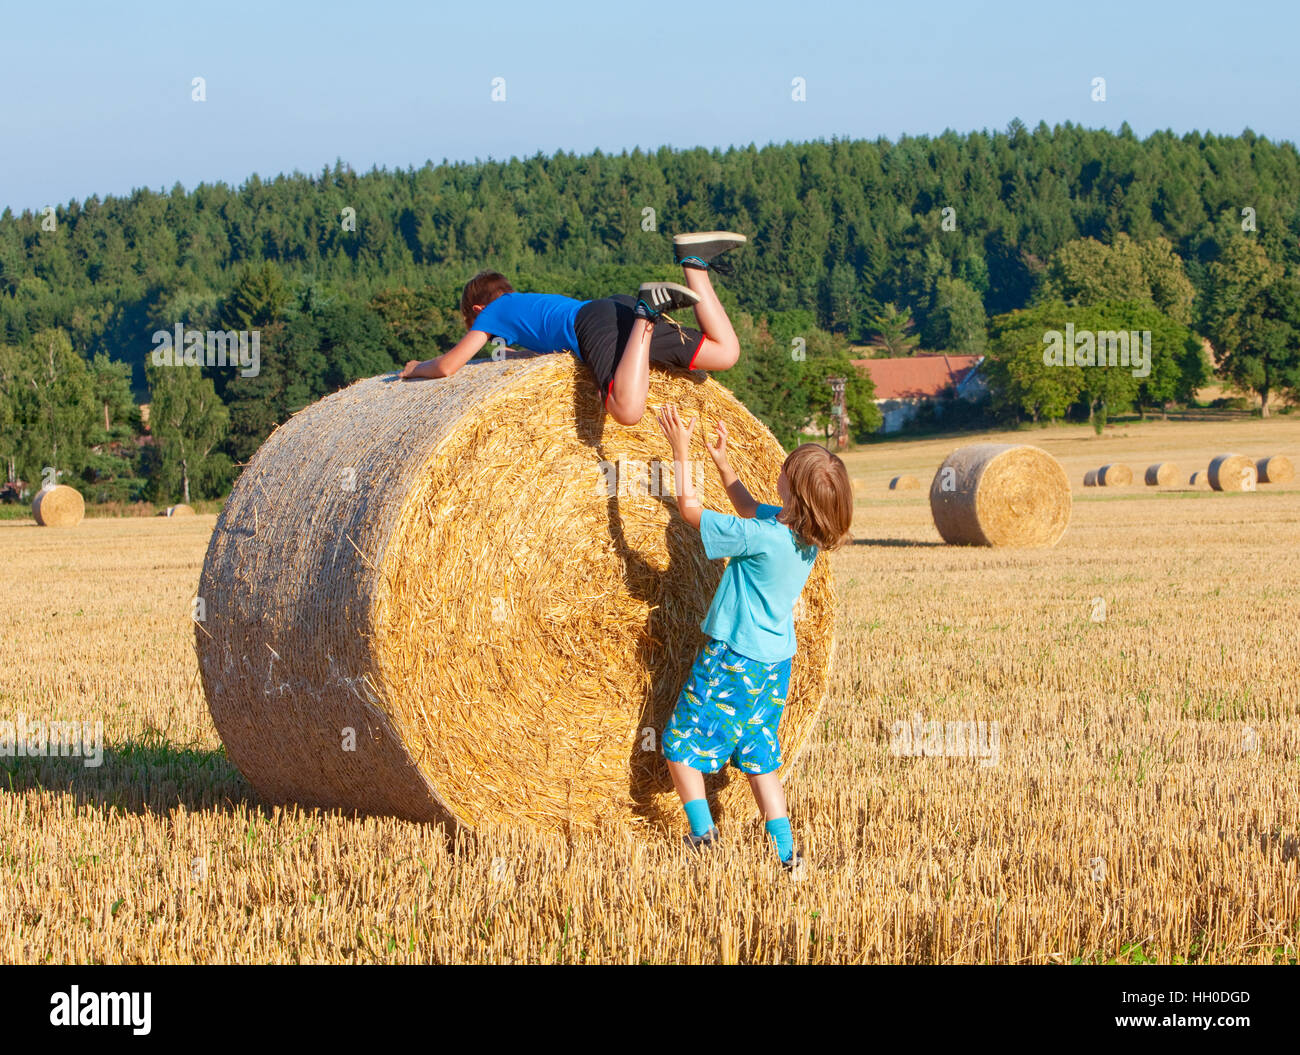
(627, 395)
(720, 348)
(769, 794)
(688, 782)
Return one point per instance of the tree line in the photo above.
(980, 243)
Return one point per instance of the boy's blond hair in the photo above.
(820, 510)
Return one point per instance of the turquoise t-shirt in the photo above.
(539, 322)
(753, 608)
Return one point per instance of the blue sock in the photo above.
(779, 829)
(697, 812)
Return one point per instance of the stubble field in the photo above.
(1139, 802)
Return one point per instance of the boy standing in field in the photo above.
(731, 706)
(617, 337)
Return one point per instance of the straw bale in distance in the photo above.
(1116, 474)
(904, 482)
(1197, 479)
(1161, 474)
(181, 510)
(1000, 494)
(1090, 478)
(58, 506)
(1275, 470)
(1232, 472)
(476, 576)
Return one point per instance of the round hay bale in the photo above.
(181, 510)
(1232, 472)
(58, 506)
(904, 483)
(1000, 494)
(1090, 478)
(1162, 474)
(1197, 479)
(1116, 474)
(1276, 469)
(471, 601)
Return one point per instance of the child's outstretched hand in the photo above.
(679, 435)
(719, 450)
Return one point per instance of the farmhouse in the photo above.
(905, 385)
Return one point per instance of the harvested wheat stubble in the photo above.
(445, 567)
(1231, 472)
(1000, 494)
(1090, 478)
(178, 511)
(904, 483)
(1161, 474)
(58, 506)
(1275, 470)
(1115, 474)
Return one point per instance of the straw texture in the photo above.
(1000, 494)
(447, 568)
(1232, 472)
(1114, 475)
(1275, 470)
(1161, 474)
(58, 506)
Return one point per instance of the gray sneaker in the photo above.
(701, 842)
(795, 866)
(700, 248)
(654, 299)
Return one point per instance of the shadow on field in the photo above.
(137, 778)
(901, 542)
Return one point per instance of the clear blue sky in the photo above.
(95, 98)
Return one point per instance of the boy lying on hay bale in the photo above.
(617, 337)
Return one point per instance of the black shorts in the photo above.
(603, 327)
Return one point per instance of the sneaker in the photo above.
(701, 842)
(795, 866)
(699, 249)
(656, 298)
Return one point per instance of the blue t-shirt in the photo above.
(753, 609)
(539, 322)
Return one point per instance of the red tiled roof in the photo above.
(917, 376)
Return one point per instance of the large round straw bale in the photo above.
(58, 506)
(1275, 470)
(904, 483)
(1198, 479)
(1116, 474)
(1232, 472)
(1161, 474)
(1000, 494)
(181, 510)
(1090, 478)
(472, 600)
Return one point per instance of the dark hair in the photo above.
(482, 289)
(820, 510)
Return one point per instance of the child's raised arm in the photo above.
(449, 362)
(739, 494)
(679, 438)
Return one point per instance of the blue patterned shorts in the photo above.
(729, 711)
